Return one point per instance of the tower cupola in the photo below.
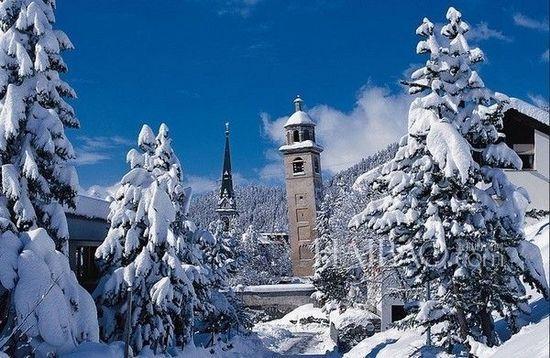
(300, 128)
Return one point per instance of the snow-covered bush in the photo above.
(46, 310)
(51, 308)
(453, 216)
(149, 248)
(352, 326)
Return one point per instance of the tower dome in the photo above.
(299, 117)
(300, 129)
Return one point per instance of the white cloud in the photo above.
(545, 56)
(200, 184)
(530, 23)
(102, 142)
(538, 100)
(100, 191)
(204, 184)
(242, 8)
(92, 150)
(482, 31)
(89, 158)
(378, 119)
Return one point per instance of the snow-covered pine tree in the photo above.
(330, 277)
(42, 300)
(37, 178)
(219, 257)
(453, 216)
(147, 248)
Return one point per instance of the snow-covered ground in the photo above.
(304, 331)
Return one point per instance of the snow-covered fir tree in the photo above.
(46, 310)
(329, 278)
(218, 248)
(148, 249)
(453, 216)
(264, 262)
(37, 177)
(347, 269)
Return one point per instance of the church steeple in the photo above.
(227, 205)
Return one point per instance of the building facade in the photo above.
(526, 130)
(88, 227)
(302, 165)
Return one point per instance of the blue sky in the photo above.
(197, 64)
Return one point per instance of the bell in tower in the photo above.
(301, 156)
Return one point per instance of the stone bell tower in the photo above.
(303, 186)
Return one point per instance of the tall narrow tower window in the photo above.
(306, 135)
(296, 136)
(298, 166)
(316, 165)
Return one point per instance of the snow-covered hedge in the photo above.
(51, 307)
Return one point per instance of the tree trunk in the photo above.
(462, 324)
(488, 327)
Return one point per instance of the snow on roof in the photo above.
(299, 118)
(89, 207)
(301, 145)
(287, 287)
(530, 110)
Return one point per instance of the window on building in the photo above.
(87, 272)
(526, 153)
(296, 136)
(306, 135)
(298, 166)
(521, 138)
(316, 165)
(398, 313)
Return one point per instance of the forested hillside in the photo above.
(261, 206)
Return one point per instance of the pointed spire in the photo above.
(227, 206)
(298, 104)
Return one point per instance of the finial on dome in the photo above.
(226, 128)
(298, 102)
